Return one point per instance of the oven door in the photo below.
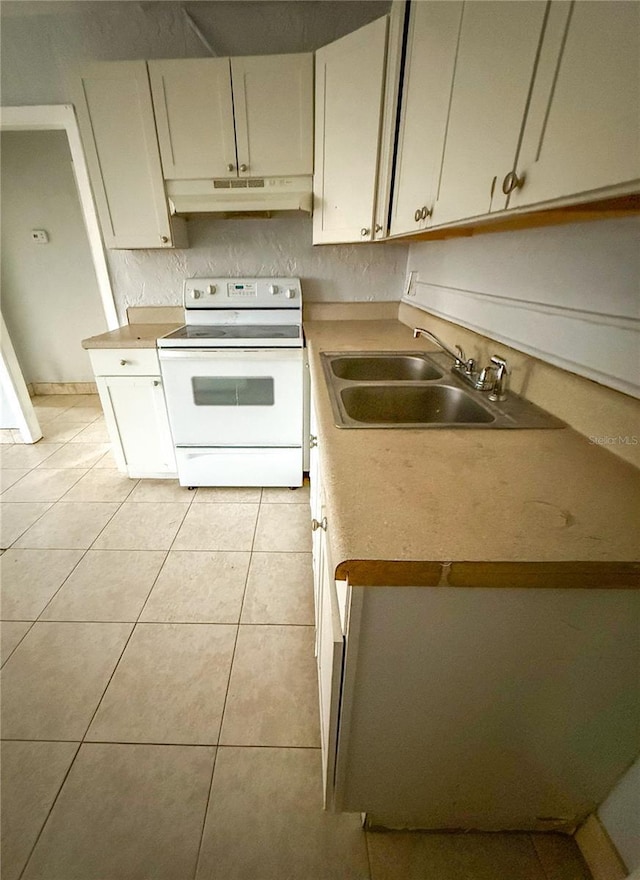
(234, 397)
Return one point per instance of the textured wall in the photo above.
(279, 246)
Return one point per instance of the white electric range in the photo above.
(234, 383)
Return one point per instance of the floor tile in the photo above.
(285, 527)
(218, 527)
(265, 820)
(10, 476)
(101, 484)
(279, 589)
(59, 402)
(560, 857)
(53, 681)
(273, 495)
(273, 692)
(27, 455)
(92, 400)
(142, 527)
(106, 461)
(17, 518)
(76, 455)
(6, 435)
(228, 494)
(61, 429)
(169, 686)
(414, 856)
(29, 578)
(126, 812)
(107, 585)
(69, 525)
(32, 774)
(199, 587)
(95, 432)
(11, 634)
(40, 485)
(84, 414)
(161, 490)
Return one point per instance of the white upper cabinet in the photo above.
(583, 127)
(499, 43)
(273, 105)
(194, 115)
(239, 117)
(349, 92)
(430, 60)
(115, 116)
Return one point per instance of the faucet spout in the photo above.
(458, 357)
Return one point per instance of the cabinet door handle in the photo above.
(417, 215)
(493, 186)
(425, 212)
(322, 524)
(378, 227)
(123, 363)
(156, 382)
(244, 167)
(365, 231)
(313, 441)
(231, 167)
(164, 239)
(511, 182)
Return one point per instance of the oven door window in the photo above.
(232, 390)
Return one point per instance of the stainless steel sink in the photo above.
(413, 404)
(409, 389)
(376, 367)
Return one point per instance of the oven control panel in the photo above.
(248, 293)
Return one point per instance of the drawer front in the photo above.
(124, 361)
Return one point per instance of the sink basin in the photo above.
(384, 368)
(410, 405)
(408, 389)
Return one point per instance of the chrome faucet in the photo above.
(458, 355)
(492, 378)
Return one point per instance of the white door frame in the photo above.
(63, 117)
(15, 389)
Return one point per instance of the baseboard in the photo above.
(598, 851)
(40, 388)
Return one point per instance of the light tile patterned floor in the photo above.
(159, 699)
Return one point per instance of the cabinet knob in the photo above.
(156, 382)
(511, 182)
(164, 239)
(365, 231)
(417, 215)
(123, 363)
(315, 525)
(378, 227)
(231, 167)
(313, 441)
(425, 212)
(244, 167)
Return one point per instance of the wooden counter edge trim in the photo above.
(534, 575)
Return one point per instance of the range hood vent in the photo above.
(240, 195)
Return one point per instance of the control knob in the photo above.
(290, 293)
(273, 288)
(196, 294)
(211, 289)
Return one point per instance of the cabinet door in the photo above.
(330, 654)
(136, 417)
(349, 91)
(273, 105)
(194, 114)
(431, 55)
(494, 69)
(115, 115)
(583, 128)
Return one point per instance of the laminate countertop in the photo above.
(130, 336)
(468, 507)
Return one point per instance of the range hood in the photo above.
(240, 195)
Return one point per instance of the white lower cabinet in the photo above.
(135, 412)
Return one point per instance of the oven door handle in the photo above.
(208, 354)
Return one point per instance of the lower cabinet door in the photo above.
(136, 417)
(330, 654)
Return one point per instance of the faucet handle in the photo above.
(462, 358)
(500, 363)
(499, 391)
